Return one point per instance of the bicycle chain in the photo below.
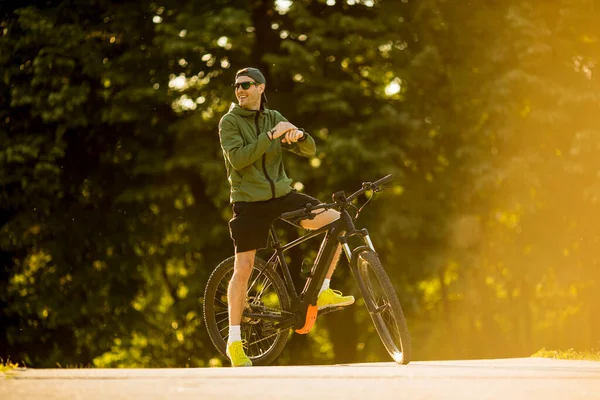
(274, 311)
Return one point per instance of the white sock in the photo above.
(234, 334)
(325, 285)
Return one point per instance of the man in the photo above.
(252, 138)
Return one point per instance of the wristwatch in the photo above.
(304, 135)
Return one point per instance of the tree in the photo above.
(114, 204)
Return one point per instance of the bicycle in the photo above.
(273, 306)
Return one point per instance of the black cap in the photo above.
(255, 74)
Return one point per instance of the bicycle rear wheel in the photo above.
(266, 294)
(387, 313)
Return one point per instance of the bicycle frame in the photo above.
(337, 234)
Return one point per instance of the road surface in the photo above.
(507, 379)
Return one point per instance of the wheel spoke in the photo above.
(265, 285)
(223, 328)
(381, 309)
(248, 334)
(223, 287)
(223, 319)
(258, 349)
(253, 279)
(221, 303)
(224, 283)
(250, 340)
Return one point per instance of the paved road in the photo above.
(507, 379)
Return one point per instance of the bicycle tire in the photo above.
(217, 319)
(388, 316)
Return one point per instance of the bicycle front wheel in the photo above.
(266, 295)
(386, 311)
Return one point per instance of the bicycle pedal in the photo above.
(311, 317)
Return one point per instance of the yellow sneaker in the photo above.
(237, 355)
(333, 298)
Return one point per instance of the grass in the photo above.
(7, 366)
(570, 354)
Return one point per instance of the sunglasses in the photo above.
(244, 85)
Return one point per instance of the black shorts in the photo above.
(249, 227)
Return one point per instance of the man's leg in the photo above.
(334, 262)
(236, 294)
(320, 221)
(238, 285)
(327, 297)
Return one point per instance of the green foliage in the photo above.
(113, 198)
(7, 366)
(570, 354)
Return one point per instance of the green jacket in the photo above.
(254, 163)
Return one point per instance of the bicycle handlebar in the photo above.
(383, 180)
(369, 186)
(296, 213)
(306, 211)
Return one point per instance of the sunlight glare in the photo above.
(222, 42)
(393, 87)
(188, 104)
(184, 103)
(178, 83)
(283, 6)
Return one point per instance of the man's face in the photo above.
(248, 98)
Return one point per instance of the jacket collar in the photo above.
(236, 109)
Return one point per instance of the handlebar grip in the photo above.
(383, 180)
(294, 214)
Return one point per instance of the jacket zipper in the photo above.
(264, 158)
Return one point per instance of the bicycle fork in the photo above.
(352, 256)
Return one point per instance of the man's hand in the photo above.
(292, 136)
(281, 129)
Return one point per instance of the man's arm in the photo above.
(293, 139)
(303, 146)
(238, 155)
